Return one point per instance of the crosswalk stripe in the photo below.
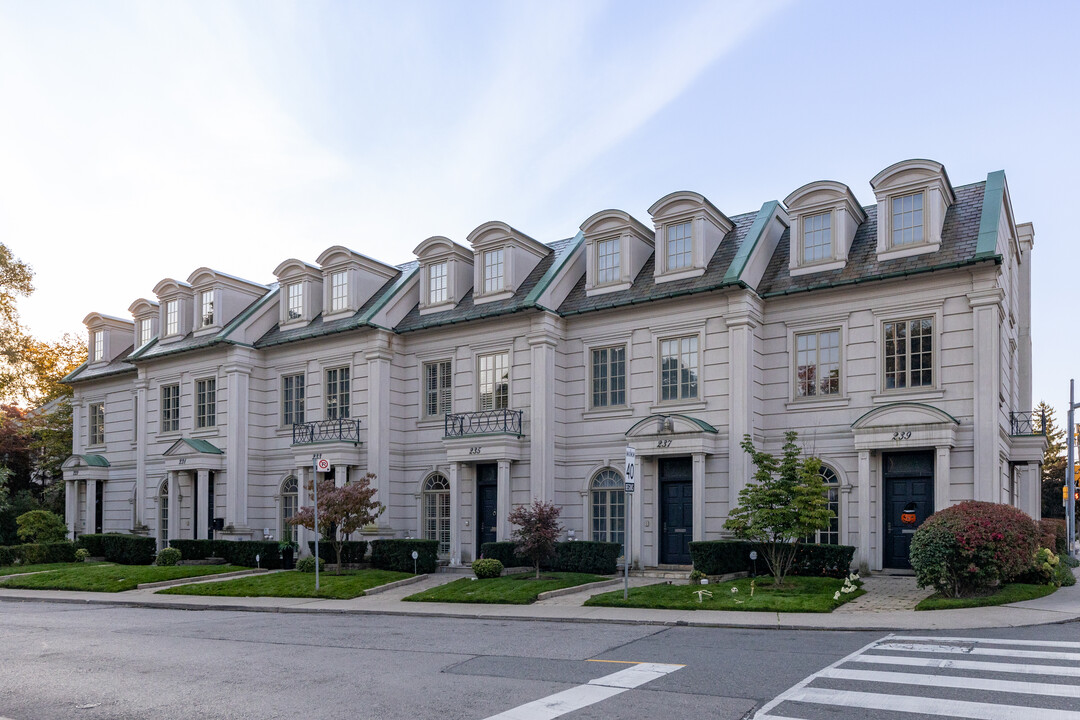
(928, 648)
(949, 663)
(926, 706)
(988, 641)
(954, 681)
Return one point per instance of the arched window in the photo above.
(289, 507)
(163, 514)
(831, 536)
(608, 506)
(437, 511)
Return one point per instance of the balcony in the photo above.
(320, 431)
(485, 422)
(1027, 423)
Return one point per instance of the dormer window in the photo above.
(146, 329)
(680, 248)
(824, 216)
(817, 238)
(296, 301)
(339, 291)
(617, 246)
(99, 346)
(172, 317)
(437, 283)
(907, 219)
(206, 308)
(493, 271)
(607, 261)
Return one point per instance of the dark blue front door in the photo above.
(487, 504)
(909, 499)
(676, 510)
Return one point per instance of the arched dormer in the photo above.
(912, 198)
(109, 336)
(502, 258)
(301, 292)
(220, 297)
(688, 230)
(146, 314)
(446, 273)
(175, 315)
(824, 217)
(349, 279)
(617, 245)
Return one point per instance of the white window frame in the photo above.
(698, 351)
(99, 345)
(294, 302)
(795, 364)
(806, 223)
(435, 511)
(338, 392)
(172, 317)
(669, 240)
(146, 331)
(613, 489)
(339, 291)
(493, 282)
(892, 244)
(934, 365)
(611, 249)
(205, 403)
(96, 423)
(169, 407)
(206, 309)
(292, 405)
(163, 513)
(288, 499)
(833, 487)
(480, 358)
(442, 395)
(438, 282)
(591, 365)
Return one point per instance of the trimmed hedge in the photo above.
(37, 553)
(397, 555)
(195, 549)
(120, 548)
(234, 552)
(1053, 535)
(487, 568)
(505, 552)
(588, 556)
(352, 551)
(721, 557)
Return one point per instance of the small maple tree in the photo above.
(537, 532)
(342, 511)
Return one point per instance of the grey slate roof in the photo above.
(645, 289)
(116, 366)
(959, 237)
(466, 310)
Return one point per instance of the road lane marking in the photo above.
(988, 641)
(591, 693)
(926, 706)
(954, 681)
(1000, 652)
(949, 663)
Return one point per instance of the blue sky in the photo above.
(142, 140)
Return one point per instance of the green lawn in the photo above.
(1013, 592)
(17, 569)
(349, 584)
(106, 577)
(799, 594)
(517, 589)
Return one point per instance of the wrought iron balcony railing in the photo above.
(326, 431)
(1027, 423)
(483, 422)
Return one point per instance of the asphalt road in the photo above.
(89, 661)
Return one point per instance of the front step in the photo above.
(665, 572)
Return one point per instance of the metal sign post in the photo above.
(319, 465)
(1070, 473)
(631, 464)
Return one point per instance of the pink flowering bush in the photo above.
(969, 548)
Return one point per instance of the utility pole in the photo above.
(1070, 475)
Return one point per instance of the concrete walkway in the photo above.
(1062, 606)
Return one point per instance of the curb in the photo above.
(198, 578)
(396, 584)
(576, 589)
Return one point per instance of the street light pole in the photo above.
(1070, 474)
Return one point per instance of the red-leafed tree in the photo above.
(342, 511)
(538, 531)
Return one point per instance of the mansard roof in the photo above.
(116, 366)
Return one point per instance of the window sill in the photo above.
(821, 403)
(680, 274)
(168, 434)
(674, 405)
(617, 411)
(903, 251)
(891, 396)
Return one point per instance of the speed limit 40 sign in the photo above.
(631, 466)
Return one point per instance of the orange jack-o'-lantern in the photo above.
(907, 515)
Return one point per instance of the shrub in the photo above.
(1053, 535)
(352, 551)
(121, 549)
(307, 564)
(1063, 575)
(1043, 570)
(696, 576)
(720, 557)
(81, 555)
(816, 560)
(487, 568)
(397, 555)
(41, 526)
(37, 553)
(168, 556)
(234, 552)
(195, 549)
(505, 552)
(968, 548)
(584, 556)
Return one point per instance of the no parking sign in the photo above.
(322, 465)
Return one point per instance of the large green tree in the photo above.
(15, 281)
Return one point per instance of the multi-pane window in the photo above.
(144, 331)
(206, 309)
(172, 317)
(608, 507)
(170, 408)
(206, 403)
(494, 372)
(493, 270)
(907, 219)
(679, 368)
(337, 393)
(831, 535)
(437, 511)
(163, 514)
(295, 307)
(817, 238)
(909, 353)
(609, 376)
(437, 291)
(290, 495)
(817, 363)
(292, 399)
(99, 345)
(680, 250)
(97, 423)
(339, 290)
(607, 261)
(438, 382)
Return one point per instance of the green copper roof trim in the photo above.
(552, 272)
(94, 460)
(246, 315)
(993, 200)
(202, 446)
(902, 402)
(382, 302)
(143, 350)
(693, 420)
(753, 236)
(71, 375)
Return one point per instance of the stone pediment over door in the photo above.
(194, 454)
(659, 435)
(905, 425)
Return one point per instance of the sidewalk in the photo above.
(1061, 606)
